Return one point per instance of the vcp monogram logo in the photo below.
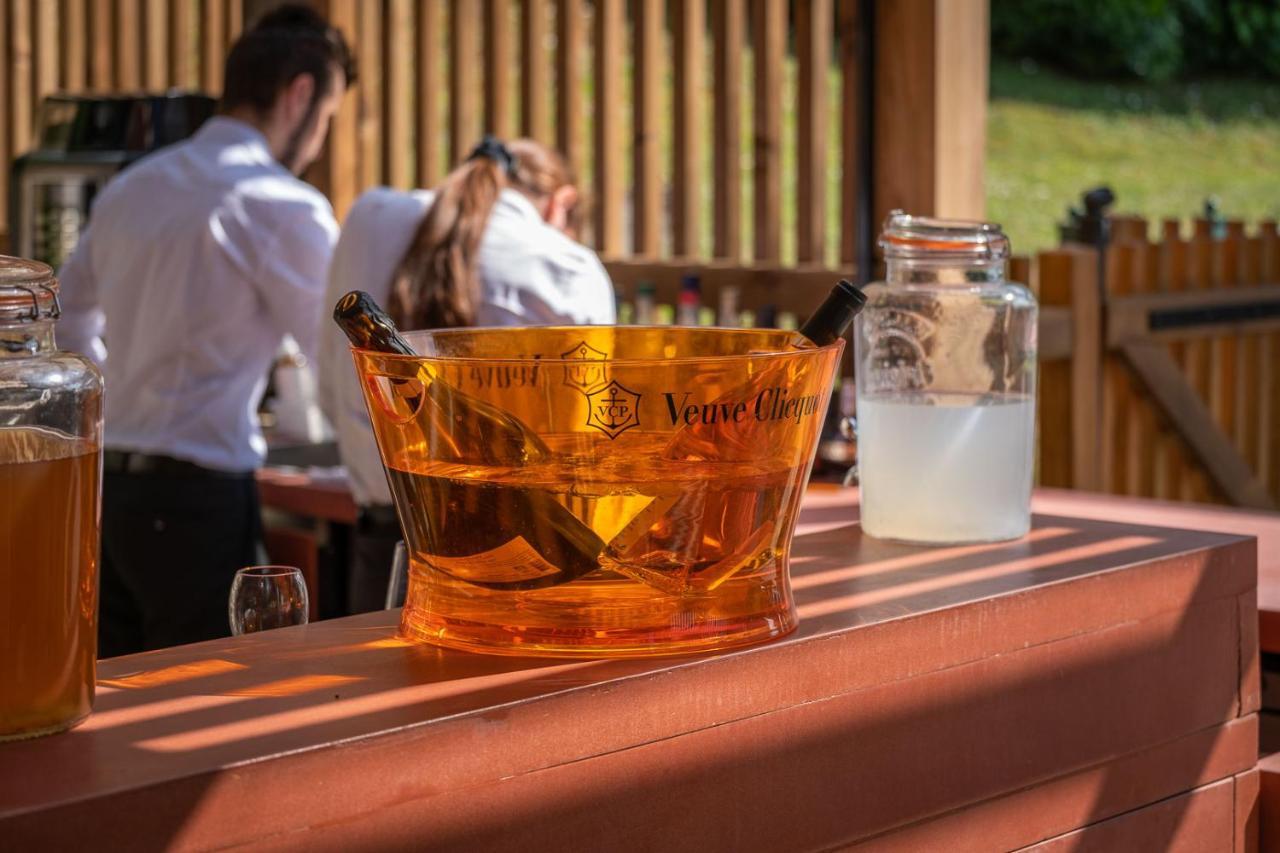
(584, 367)
(611, 407)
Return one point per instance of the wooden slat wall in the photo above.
(709, 78)
(51, 46)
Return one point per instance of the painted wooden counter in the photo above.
(1095, 677)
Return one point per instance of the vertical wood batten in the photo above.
(430, 84)
(499, 57)
(369, 96)
(397, 108)
(849, 25)
(464, 84)
(335, 172)
(155, 67)
(569, 33)
(74, 45)
(6, 142)
(99, 41)
(608, 125)
(128, 25)
(647, 104)
(20, 76)
(728, 31)
(47, 48)
(213, 39)
(234, 23)
(813, 48)
(688, 25)
(768, 34)
(535, 82)
(182, 72)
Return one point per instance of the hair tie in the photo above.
(492, 148)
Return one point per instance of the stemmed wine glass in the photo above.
(266, 597)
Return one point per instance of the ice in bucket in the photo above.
(597, 490)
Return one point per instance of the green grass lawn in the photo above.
(1162, 148)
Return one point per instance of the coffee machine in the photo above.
(82, 141)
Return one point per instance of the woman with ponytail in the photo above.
(491, 246)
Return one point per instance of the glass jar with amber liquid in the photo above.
(50, 505)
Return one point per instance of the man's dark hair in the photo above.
(286, 42)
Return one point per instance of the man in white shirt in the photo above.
(196, 263)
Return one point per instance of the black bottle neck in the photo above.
(833, 316)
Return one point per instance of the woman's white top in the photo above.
(530, 274)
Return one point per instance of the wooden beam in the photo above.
(609, 177)
(499, 60)
(430, 89)
(650, 72)
(464, 82)
(370, 129)
(182, 48)
(1193, 420)
(1070, 396)
(535, 82)
(74, 47)
(569, 31)
(813, 51)
(729, 28)
(686, 183)
(336, 172)
(930, 111)
(769, 40)
(213, 39)
(1209, 313)
(850, 25)
(397, 105)
(155, 66)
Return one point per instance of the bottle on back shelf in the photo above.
(728, 313)
(646, 300)
(690, 301)
(767, 317)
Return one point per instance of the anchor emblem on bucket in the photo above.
(613, 409)
(585, 367)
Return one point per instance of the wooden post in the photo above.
(430, 85)
(369, 95)
(728, 28)
(1071, 396)
(769, 38)
(813, 49)
(397, 107)
(609, 176)
(535, 82)
(498, 59)
(650, 68)
(686, 212)
(931, 106)
(464, 83)
(335, 172)
(569, 30)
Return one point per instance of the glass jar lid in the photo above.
(907, 237)
(28, 290)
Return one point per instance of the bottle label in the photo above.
(514, 562)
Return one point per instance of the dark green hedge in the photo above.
(1152, 39)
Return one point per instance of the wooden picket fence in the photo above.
(1166, 383)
